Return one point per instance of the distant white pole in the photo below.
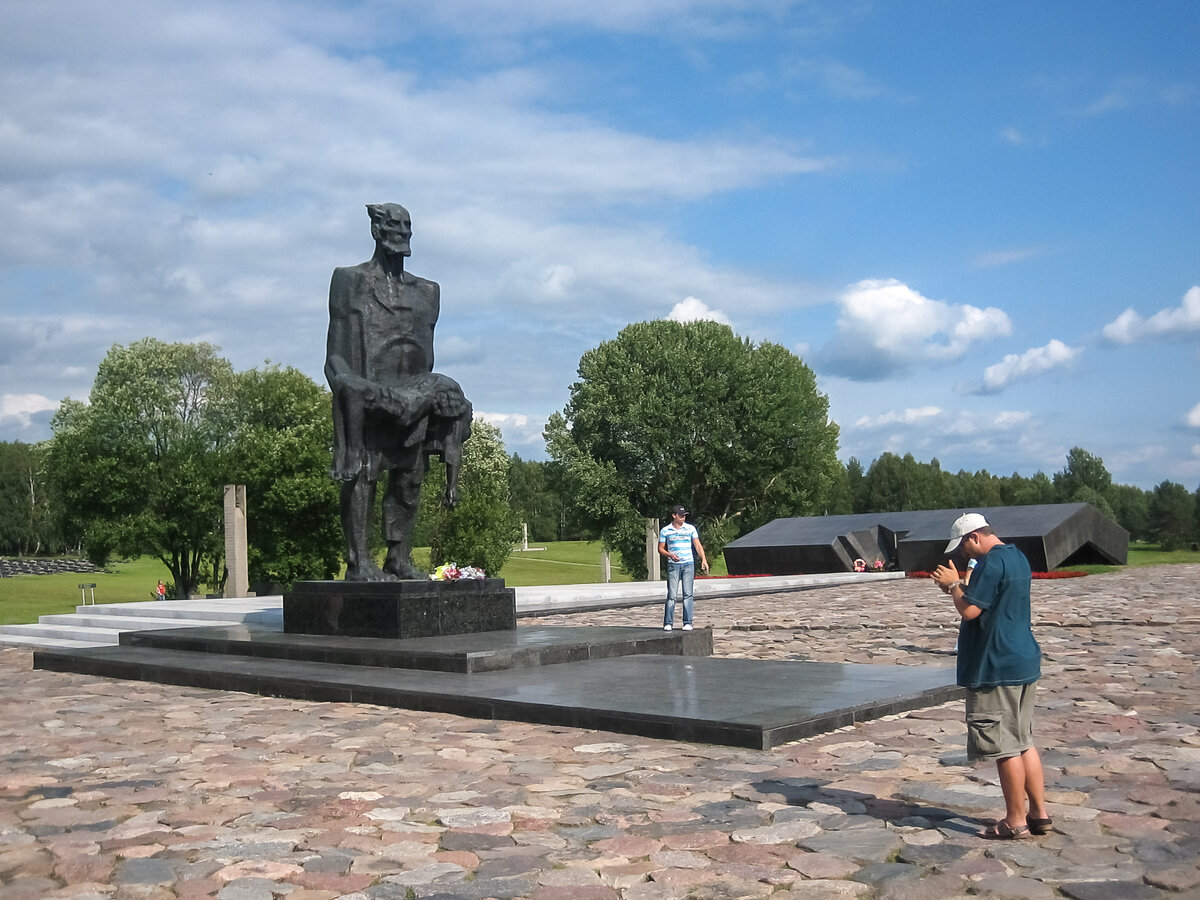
(238, 584)
(605, 567)
(652, 570)
(524, 535)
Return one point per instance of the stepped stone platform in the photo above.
(466, 653)
(102, 624)
(632, 680)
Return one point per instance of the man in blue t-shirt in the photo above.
(677, 542)
(999, 663)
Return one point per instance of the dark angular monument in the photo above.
(391, 414)
(1050, 535)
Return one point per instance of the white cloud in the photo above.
(1030, 364)
(1143, 456)
(885, 327)
(1129, 327)
(692, 310)
(26, 417)
(558, 280)
(969, 423)
(915, 416)
(996, 258)
(1193, 417)
(929, 432)
(704, 17)
(22, 406)
(838, 79)
(1133, 92)
(520, 431)
(205, 171)
(979, 427)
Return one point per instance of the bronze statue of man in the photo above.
(391, 412)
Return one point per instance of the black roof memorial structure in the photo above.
(1050, 535)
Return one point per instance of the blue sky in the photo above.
(979, 224)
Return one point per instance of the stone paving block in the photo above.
(863, 846)
(1110, 890)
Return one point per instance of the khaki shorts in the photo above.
(1000, 721)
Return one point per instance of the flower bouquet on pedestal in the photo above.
(453, 572)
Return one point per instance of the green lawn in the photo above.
(25, 597)
(1145, 555)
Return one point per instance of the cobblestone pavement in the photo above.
(112, 789)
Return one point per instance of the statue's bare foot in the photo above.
(403, 570)
(369, 572)
(347, 465)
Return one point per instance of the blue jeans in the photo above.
(677, 574)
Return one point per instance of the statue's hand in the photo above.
(451, 499)
(449, 404)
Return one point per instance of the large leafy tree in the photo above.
(136, 469)
(142, 466)
(976, 489)
(671, 412)
(25, 520)
(1196, 511)
(281, 431)
(480, 530)
(1033, 491)
(1131, 507)
(534, 499)
(1171, 516)
(1084, 480)
(895, 483)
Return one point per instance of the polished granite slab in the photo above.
(399, 609)
(736, 702)
(522, 647)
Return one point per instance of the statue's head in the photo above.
(391, 226)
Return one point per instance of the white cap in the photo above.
(964, 525)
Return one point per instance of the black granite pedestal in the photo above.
(399, 609)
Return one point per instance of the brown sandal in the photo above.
(1002, 831)
(1040, 826)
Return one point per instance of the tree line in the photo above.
(666, 412)
(140, 469)
(669, 412)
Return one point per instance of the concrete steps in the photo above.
(107, 623)
(42, 642)
(101, 625)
